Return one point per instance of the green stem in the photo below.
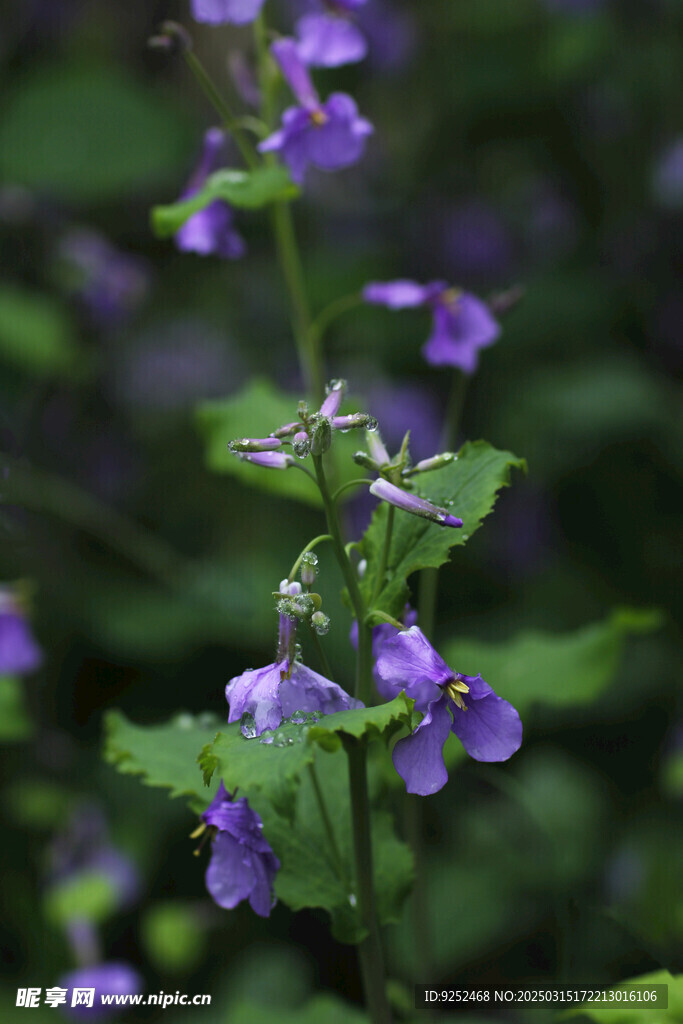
(384, 558)
(364, 674)
(331, 312)
(358, 482)
(454, 408)
(309, 547)
(423, 960)
(370, 949)
(327, 825)
(230, 122)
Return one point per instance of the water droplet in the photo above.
(371, 424)
(248, 726)
(282, 740)
(184, 720)
(352, 899)
(310, 558)
(267, 737)
(465, 536)
(316, 716)
(298, 717)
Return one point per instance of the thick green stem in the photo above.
(370, 949)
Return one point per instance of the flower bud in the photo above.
(309, 568)
(322, 437)
(320, 623)
(435, 462)
(301, 444)
(254, 444)
(335, 394)
(364, 460)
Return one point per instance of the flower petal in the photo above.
(400, 294)
(328, 42)
(490, 729)
(286, 53)
(255, 692)
(215, 12)
(408, 662)
(418, 758)
(231, 875)
(306, 690)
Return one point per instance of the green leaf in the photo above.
(275, 768)
(561, 669)
(639, 1014)
(248, 189)
(36, 335)
(89, 894)
(308, 875)
(15, 724)
(165, 755)
(88, 133)
(468, 487)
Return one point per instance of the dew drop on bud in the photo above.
(371, 424)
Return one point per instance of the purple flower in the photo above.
(210, 230)
(242, 865)
(216, 12)
(477, 244)
(462, 323)
(328, 135)
(276, 691)
(113, 978)
(391, 34)
(328, 38)
(379, 635)
(110, 283)
(412, 503)
(19, 653)
(668, 176)
(488, 727)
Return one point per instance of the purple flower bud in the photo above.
(269, 460)
(354, 421)
(113, 978)
(210, 230)
(216, 12)
(335, 395)
(286, 430)
(412, 503)
(435, 462)
(255, 444)
(242, 865)
(19, 653)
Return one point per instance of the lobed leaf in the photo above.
(468, 487)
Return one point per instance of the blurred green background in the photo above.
(530, 143)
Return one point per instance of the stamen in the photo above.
(455, 689)
(319, 118)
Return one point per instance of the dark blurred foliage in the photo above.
(517, 143)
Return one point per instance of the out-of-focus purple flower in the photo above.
(110, 283)
(462, 323)
(477, 245)
(329, 135)
(488, 727)
(412, 503)
(391, 34)
(399, 403)
(19, 652)
(112, 978)
(328, 38)
(173, 365)
(276, 691)
(84, 846)
(210, 230)
(667, 180)
(242, 865)
(217, 12)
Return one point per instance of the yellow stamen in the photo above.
(451, 296)
(455, 689)
(319, 118)
(201, 828)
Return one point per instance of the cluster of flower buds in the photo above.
(395, 478)
(292, 604)
(310, 434)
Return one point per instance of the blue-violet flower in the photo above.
(216, 12)
(210, 230)
(328, 38)
(111, 978)
(488, 727)
(328, 135)
(462, 323)
(19, 653)
(242, 864)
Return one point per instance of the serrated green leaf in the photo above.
(35, 333)
(164, 755)
(308, 876)
(559, 669)
(468, 487)
(88, 133)
(15, 724)
(641, 1014)
(248, 189)
(275, 768)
